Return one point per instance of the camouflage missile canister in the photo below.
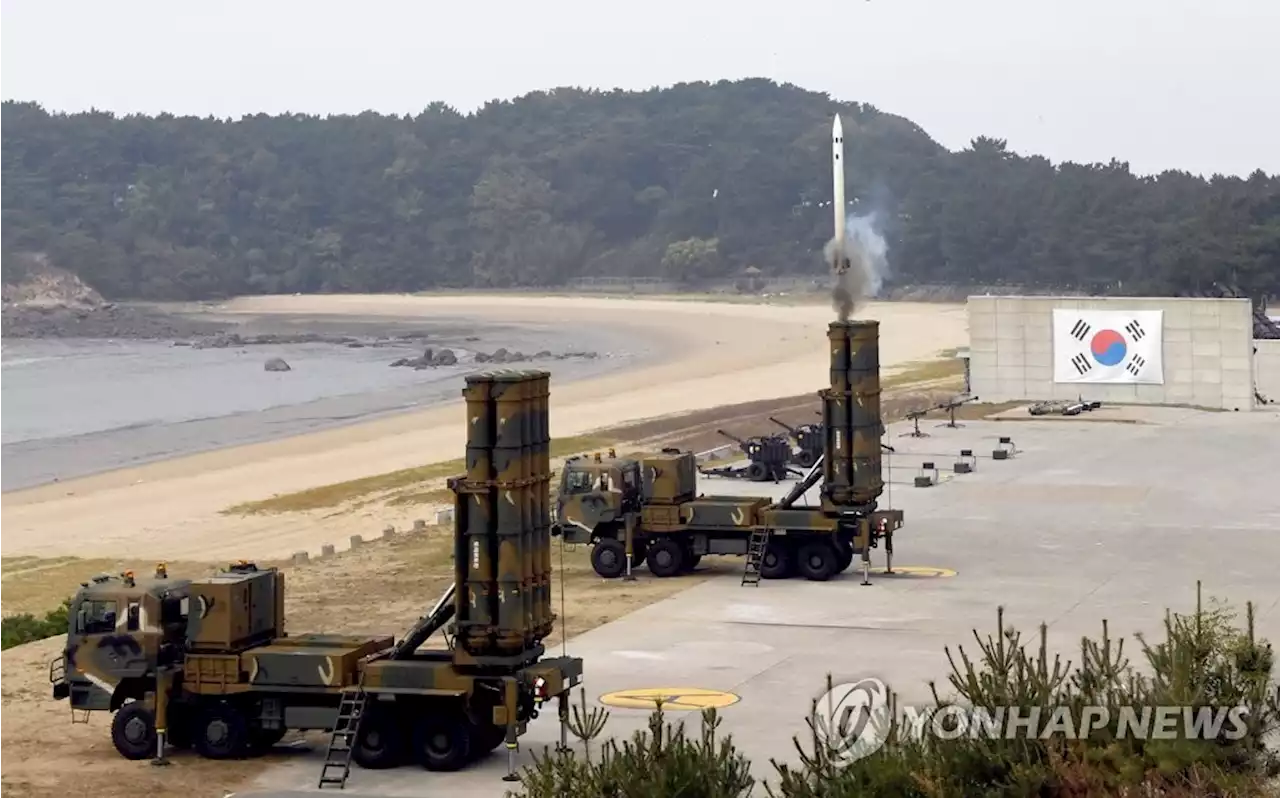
(851, 414)
(474, 521)
(503, 551)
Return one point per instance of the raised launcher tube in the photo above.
(502, 546)
(851, 417)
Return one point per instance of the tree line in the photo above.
(693, 183)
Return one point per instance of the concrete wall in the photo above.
(1266, 369)
(1207, 351)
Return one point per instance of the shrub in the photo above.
(27, 628)
(1204, 661)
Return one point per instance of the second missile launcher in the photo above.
(606, 501)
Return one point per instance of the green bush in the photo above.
(27, 628)
(1204, 661)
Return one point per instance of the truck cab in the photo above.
(119, 629)
(596, 492)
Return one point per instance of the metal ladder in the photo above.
(337, 759)
(756, 547)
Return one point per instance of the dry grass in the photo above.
(37, 585)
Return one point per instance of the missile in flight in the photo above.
(839, 260)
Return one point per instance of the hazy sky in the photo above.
(1159, 83)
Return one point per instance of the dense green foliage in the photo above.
(1205, 660)
(693, 182)
(27, 628)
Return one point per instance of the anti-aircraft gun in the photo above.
(768, 456)
(206, 662)
(808, 439)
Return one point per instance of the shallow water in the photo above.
(78, 407)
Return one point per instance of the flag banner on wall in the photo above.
(1108, 346)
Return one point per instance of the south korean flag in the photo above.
(1107, 346)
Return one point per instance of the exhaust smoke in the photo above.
(866, 255)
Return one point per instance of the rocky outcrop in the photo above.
(502, 356)
(430, 358)
(276, 364)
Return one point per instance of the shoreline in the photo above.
(727, 353)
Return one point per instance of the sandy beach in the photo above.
(721, 353)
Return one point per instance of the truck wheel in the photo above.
(443, 741)
(222, 733)
(379, 745)
(818, 560)
(691, 562)
(133, 730)
(844, 553)
(666, 558)
(806, 459)
(609, 558)
(757, 472)
(777, 563)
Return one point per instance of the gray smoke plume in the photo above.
(867, 253)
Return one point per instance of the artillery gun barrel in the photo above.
(733, 438)
(787, 427)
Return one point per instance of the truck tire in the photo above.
(133, 730)
(845, 553)
(484, 739)
(380, 743)
(666, 558)
(442, 741)
(806, 459)
(777, 562)
(691, 562)
(609, 558)
(222, 733)
(818, 560)
(757, 472)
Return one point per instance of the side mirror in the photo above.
(82, 620)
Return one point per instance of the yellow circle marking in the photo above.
(921, 571)
(671, 698)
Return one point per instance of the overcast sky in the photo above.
(1159, 83)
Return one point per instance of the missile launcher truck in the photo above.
(648, 509)
(206, 663)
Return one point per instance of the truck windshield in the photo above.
(580, 482)
(99, 617)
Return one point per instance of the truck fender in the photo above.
(132, 687)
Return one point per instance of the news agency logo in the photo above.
(853, 720)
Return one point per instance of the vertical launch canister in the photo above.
(851, 415)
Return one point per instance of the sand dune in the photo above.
(720, 353)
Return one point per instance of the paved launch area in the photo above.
(1090, 520)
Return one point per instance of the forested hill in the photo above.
(695, 182)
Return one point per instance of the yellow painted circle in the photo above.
(918, 571)
(671, 697)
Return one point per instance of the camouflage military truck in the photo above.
(206, 663)
(650, 502)
(647, 509)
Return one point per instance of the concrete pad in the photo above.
(1086, 522)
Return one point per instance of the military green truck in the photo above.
(647, 509)
(206, 663)
(650, 504)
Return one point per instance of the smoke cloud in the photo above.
(867, 253)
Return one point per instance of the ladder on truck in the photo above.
(756, 547)
(337, 759)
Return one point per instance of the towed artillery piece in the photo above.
(808, 439)
(768, 456)
(1062, 407)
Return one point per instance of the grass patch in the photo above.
(925, 371)
(341, 492)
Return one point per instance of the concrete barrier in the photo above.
(389, 532)
(444, 516)
(419, 525)
(356, 541)
(301, 558)
(327, 550)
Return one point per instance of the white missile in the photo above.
(840, 262)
